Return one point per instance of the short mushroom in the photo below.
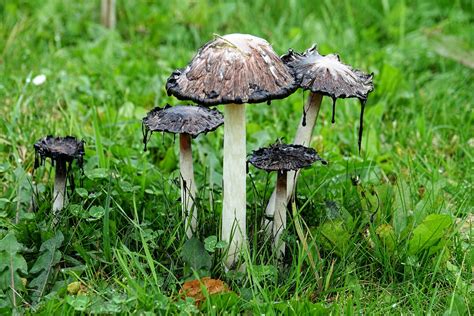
(282, 158)
(322, 75)
(62, 151)
(187, 121)
(233, 69)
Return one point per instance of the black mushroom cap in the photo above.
(283, 157)
(235, 68)
(59, 148)
(328, 75)
(192, 120)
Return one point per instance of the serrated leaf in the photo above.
(12, 264)
(44, 265)
(195, 254)
(429, 232)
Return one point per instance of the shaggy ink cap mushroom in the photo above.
(327, 75)
(282, 158)
(187, 121)
(61, 150)
(192, 120)
(234, 68)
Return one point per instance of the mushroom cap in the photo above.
(328, 75)
(60, 148)
(283, 157)
(234, 68)
(179, 119)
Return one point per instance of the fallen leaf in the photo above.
(194, 288)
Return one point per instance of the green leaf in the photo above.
(195, 254)
(99, 173)
(429, 232)
(79, 303)
(82, 192)
(44, 265)
(334, 236)
(168, 163)
(210, 243)
(12, 264)
(96, 212)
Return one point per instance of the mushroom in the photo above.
(322, 75)
(62, 151)
(233, 69)
(187, 121)
(282, 158)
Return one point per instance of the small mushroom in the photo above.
(233, 69)
(187, 121)
(282, 158)
(62, 151)
(322, 75)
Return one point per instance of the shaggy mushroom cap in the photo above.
(283, 157)
(235, 68)
(59, 148)
(192, 120)
(328, 75)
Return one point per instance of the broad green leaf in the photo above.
(195, 254)
(12, 264)
(44, 265)
(334, 236)
(79, 303)
(168, 163)
(429, 232)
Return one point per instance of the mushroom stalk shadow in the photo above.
(302, 137)
(279, 219)
(234, 187)
(59, 191)
(188, 185)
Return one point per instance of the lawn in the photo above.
(388, 230)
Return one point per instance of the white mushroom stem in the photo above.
(188, 185)
(302, 137)
(234, 187)
(279, 218)
(59, 191)
(107, 13)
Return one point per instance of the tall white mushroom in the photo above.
(62, 151)
(322, 76)
(187, 121)
(233, 69)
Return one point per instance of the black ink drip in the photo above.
(333, 110)
(361, 122)
(145, 136)
(304, 113)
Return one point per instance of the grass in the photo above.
(123, 238)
